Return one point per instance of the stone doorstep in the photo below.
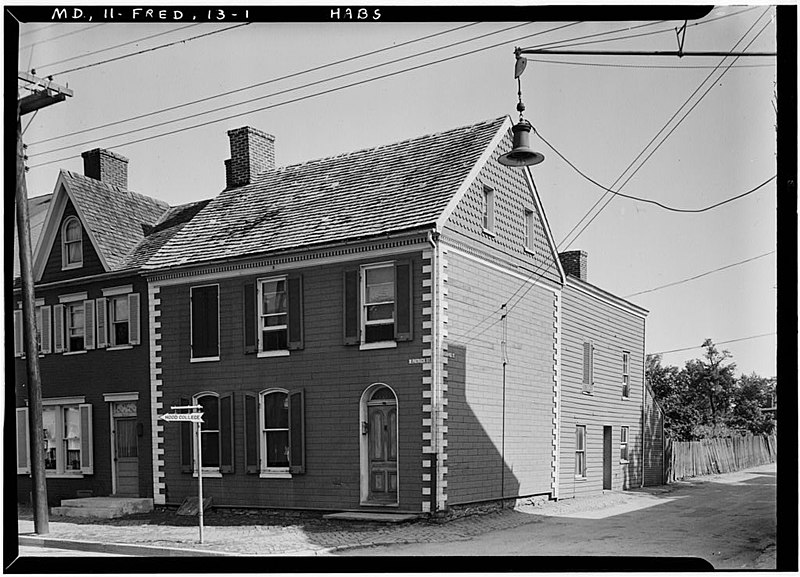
(367, 516)
(102, 507)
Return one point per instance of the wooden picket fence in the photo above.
(684, 459)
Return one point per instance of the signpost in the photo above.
(195, 417)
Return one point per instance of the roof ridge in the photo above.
(115, 188)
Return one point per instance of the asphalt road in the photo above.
(728, 520)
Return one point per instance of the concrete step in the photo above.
(102, 507)
(368, 516)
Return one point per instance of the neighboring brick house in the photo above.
(341, 322)
(91, 312)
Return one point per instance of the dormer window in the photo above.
(71, 244)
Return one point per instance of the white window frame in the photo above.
(110, 311)
(623, 444)
(260, 319)
(389, 343)
(267, 472)
(487, 219)
(65, 262)
(580, 450)
(626, 375)
(529, 217)
(207, 471)
(67, 327)
(58, 406)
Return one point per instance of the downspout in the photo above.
(435, 372)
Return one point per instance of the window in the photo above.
(205, 323)
(580, 451)
(43, 330)
(118, 321)
(378, 311)
(275, 431)
(273, 315)
(216, 434)
(67, 447)
(118, 317)
(75, 325)
(71, 244)
(626, 374)
(623, 444)
(488, 209)
(588, 367)
(530, 232)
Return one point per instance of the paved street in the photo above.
(728, 520)
(25, 551)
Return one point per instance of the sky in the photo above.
(598, 112)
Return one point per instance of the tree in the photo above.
(711, 384)
(751, 395)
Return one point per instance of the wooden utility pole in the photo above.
(44, 93)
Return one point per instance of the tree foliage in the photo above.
(705, 399)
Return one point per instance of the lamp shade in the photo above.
(521, 153)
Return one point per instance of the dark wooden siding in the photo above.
(91, 262)
(653, 441)
(92, 375)
(333, 376)
(587, 318)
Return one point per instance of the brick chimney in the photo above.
(574, 262)
(106, 166)
(252, 152)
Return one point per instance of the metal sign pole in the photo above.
(200, 477)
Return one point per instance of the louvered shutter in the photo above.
(88, 324)
(297, 448)
(351, 308)
(185, 431)
(226, 433)
(251, 433)
(87, 446)
(249, 320)
(295, 322)
(58, 328)
(588, 368)
(19, 347)
(403, 306)
(46, 330)
(102, 330)
(134, 324)
(39, 328)
(23, 446)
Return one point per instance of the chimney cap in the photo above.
(250, 129)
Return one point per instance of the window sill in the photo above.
(488, 232)
(119, 348)
(204, 360)
(63, 475)
(375, 346)
(624, 398)
(267, 354)
(210, 474)
(72, 266)
(590, 393)
(579, 478)
(275, 475)
(68, 353)
(624, 462)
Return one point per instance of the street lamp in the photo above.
(521, 153)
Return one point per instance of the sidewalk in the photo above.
(163, 533)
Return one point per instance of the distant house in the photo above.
(91, 313)
(389, 329)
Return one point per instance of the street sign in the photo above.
(191, 417)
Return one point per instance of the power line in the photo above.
(716, 343)
(32, 44)
(29, 32)
(150, 49)
(650, 201)
(301, 98)
(100, 51)
(251, 86)
(642, 66)
(700, 275)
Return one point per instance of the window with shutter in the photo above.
(58, 328)
(351, 324)
(274, 423)
(134, 324)
(403, 290)
(251, 459)
(86, 452)
(588, 368)
(226, 433)
(68, 437)
(273, 316)
(46, 330)
(89, 324)
(295, 328)
(249, 323)
(101, 306)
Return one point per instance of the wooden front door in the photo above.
(126, 457)
(382, 415)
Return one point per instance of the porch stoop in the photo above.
(102, 507)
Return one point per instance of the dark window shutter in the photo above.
(250, 314)
(403, 306)
(186, 441)
(205, 322)
(226, 433)
(295, 312)
(351, 307)
(297, 448)
(251, 433)
(588, 369)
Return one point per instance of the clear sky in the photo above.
(599, 112)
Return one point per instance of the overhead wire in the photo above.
(291, 101)
(70, 33)
(642, 66)
(29, 32)
(679, 282)
(716, 343)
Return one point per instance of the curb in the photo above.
(121, 548)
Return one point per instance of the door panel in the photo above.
(126, 445)
(383, 453)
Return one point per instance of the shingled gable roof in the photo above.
(115, 219)
(368, 193)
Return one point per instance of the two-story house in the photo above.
(389, 329)
(91, 315)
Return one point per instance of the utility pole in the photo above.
(43, 93)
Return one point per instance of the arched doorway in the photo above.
(379, 471)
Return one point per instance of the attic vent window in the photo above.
(71, 244)
(488, 210)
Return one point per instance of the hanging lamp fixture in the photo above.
(521, 153)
